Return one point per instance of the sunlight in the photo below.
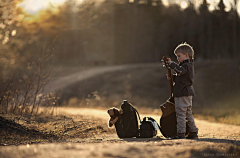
(32, 7)
(183, 4)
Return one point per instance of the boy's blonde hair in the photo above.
(185, 48)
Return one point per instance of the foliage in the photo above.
(111, 32)
(25, 91)
(115, 32)
(24, 63)
(9, 18)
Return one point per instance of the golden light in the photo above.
(33, 7)
(212, 3)
(183, 4)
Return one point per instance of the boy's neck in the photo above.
(187, 60)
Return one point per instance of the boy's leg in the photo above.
(191, 123)
(181, 104)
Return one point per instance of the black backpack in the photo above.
(127, 126)
(148, 128)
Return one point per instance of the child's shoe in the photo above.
(193, 135)
(179, 136)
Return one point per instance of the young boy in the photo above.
(183, 91)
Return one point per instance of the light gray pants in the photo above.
(183, 108)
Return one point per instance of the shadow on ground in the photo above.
(14, 133)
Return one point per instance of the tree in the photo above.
(205, 31)
(190, 23)
(222, 36)
(234, 17)
(22, 75)
(9, 19)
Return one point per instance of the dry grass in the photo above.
(216, 85)
(217, 100)
(27, 129)
(229, 116)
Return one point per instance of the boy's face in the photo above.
(182, 56)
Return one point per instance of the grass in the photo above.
(216, 85)
(229, 116)
(217, 99)
(16, 130)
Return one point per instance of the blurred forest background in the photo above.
(117, 32)
(110, 32)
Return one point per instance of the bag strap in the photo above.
(137, 114)
(150, 118)
(135, 110)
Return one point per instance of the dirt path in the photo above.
(62, 82)
(216, 140)
(207, 129)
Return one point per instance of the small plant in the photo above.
(25, 92)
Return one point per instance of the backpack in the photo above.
(128, 126)
(148, 128)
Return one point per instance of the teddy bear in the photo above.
(115, 115)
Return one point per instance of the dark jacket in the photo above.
(183, 78)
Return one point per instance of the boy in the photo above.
(183, 90)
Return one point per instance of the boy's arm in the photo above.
(174, 76)
(180, 70)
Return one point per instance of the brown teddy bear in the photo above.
(114, 114)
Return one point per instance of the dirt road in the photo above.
(215, 140)
(62, 82)
(207, 129)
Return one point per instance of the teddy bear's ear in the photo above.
(108, 111)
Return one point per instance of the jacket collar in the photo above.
(187, 61)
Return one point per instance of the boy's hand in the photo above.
(169, 60)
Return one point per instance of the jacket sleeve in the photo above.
(174, 76)
(180, 70)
